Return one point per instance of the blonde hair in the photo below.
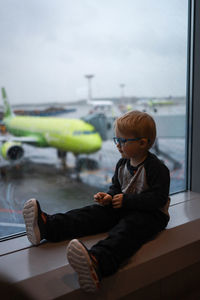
(138, 123)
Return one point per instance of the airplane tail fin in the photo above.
(8, 112)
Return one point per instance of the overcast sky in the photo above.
(47, 46)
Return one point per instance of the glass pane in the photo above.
(92, 61)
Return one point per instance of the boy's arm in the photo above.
(115, 187)
(158, 180)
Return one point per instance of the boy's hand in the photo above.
(117, 201)
(103, 198)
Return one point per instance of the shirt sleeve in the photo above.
(115, 187)
(156, 196)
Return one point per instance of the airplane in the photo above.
(154, 103)
(66, 135)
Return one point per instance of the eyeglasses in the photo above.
(122, 141)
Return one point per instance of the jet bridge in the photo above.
(104, 124)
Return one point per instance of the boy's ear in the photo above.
(144, 142)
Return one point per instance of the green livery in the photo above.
(73, 135)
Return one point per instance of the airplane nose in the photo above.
(89, 144)
(95, 143)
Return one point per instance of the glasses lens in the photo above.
(119, 141)
(115, 139)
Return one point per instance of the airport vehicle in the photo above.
(66, 135)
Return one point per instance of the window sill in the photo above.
(46, 266)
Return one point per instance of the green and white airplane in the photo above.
(66, 135)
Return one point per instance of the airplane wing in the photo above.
(23, 139)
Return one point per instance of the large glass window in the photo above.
(63, 61)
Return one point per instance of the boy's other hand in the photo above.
(117, 201)
(103, 198)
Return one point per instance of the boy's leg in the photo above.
(75, 223)
(84, 221)
(132, 231)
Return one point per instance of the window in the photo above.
(89, 60)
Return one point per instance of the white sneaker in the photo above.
(34, 220)
(84, 264)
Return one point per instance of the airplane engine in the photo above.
(12, 150)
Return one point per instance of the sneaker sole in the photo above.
(80, 261)
(30, 213)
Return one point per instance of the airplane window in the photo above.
(79, 65)
(84, 132)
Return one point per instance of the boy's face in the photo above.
(131, 149)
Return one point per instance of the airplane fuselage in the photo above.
(71, 135)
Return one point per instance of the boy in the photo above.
(134, 209)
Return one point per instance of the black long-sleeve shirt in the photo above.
(145, 187)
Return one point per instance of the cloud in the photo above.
(48, 46)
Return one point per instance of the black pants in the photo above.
(127, 231)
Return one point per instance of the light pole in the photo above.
(89, 78)
(122, 86)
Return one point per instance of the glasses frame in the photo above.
(122, 141)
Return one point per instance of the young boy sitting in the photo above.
(134, 209)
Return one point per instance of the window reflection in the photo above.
(91, 61)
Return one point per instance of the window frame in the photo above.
(192, 139)
(193, 95)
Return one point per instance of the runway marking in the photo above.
(8, 210)
(12, 224)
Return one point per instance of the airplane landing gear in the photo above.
(85, 163)
(77, 170)
(62, 155)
